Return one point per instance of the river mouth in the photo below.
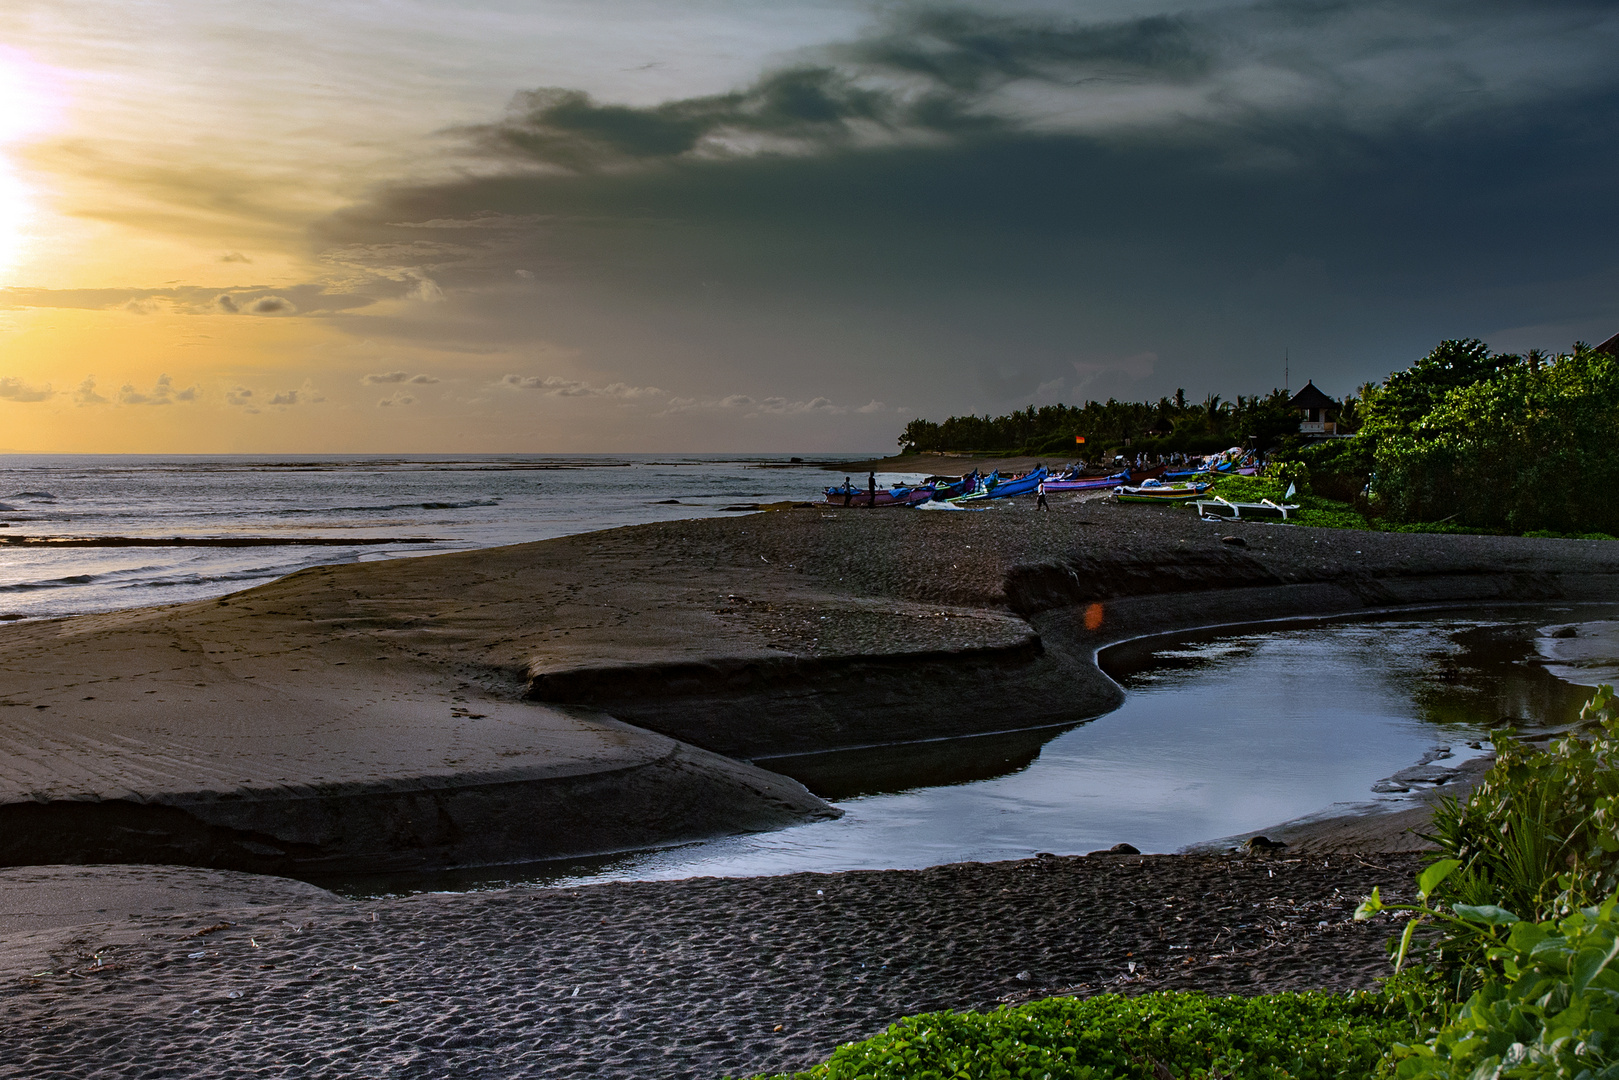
(1222, 731)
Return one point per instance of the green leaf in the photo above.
(1405, 944)
(1429, 879)
(1369, 906)
(1488, 914)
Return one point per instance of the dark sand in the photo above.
(665, 979)
(599, 691)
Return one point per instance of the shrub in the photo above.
(1312, 1036)
(1537, 835)
(1554, 1012)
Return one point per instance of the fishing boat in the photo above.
(852, 496)
(1151, 492)
(994, 487)
(1087, 483)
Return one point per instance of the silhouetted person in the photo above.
(848, 491)
(1041, 490)
(871, 488)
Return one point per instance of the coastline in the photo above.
(625, 667)
(613, 687)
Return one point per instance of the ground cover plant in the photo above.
(1190, 1036)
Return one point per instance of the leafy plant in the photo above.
(1538, 834)
(1554, 1011)
(1313, 1036)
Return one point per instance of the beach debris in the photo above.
(214, 929)
(196, 955)
(1235, 541)
(1024, 976)
(1566, 632)
(778, 1027)
(1263, 845)
(1117, 849)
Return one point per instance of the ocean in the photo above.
(357, 508)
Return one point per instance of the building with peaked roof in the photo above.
(1313, 407)
(1611, 346)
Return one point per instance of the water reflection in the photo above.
(1220, 733)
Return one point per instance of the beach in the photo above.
(689, 979)
(599, 692)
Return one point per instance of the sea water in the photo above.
(417, 504)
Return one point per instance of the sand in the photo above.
(607, 691)
(603, 692)
(701, 979)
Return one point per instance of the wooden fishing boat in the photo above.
(1087, 483)
(996, 488)
(1160, 493)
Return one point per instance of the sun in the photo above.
(28, 109)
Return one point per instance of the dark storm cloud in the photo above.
(988, 205)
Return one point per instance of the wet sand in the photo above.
(685, 979)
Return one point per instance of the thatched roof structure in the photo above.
(1311, 398)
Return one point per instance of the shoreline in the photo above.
(417, 714)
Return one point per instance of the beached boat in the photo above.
(1087, 483)
(994, 487)
(1160, 493)
(898, 496)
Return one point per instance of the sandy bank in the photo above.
(599, 692)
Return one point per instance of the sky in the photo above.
(770, 225)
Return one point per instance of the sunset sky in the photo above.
(740, 225)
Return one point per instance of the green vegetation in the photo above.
(1169, 425)
(1464, 440)
(1511, 959)
(1311, 1036)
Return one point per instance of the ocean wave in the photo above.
(384, 507)
(50, 583)
(36, 495)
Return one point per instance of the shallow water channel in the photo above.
(1222, 732)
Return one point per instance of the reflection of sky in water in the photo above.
(1216, 737)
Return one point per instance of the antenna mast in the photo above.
(1287, 373)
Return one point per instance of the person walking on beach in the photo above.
(1041, 492)
(848, 491)
(871, 488)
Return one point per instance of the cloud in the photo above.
(399, 398)
(14, 389)
(311, 298)
(162, 393)
(286, 397)
(388, 377)
(1051, 199)
(234, 257)
(774, 405)
(555, 386)
(242, 397)
(873, 406)
(86, 393)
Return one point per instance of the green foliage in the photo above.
(1553, 1013)
(1532, 446)
(1313, 510)
(1312, 1036)
(1407, 396)
(1540, 833)
(1164, 426)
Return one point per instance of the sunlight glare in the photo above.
(28, 107)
